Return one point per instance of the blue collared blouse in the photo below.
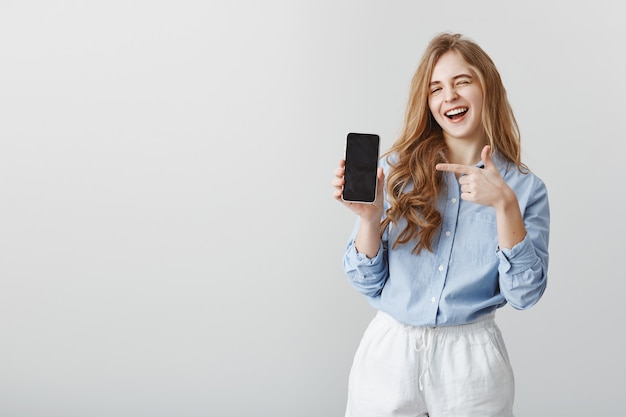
(466, 275)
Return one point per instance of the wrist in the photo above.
(507, 202)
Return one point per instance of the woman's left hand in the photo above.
(483, 186)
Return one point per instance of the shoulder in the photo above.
(386, 162)
(523, 180)
(509, 170)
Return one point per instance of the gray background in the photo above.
(169, 245)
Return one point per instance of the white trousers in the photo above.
(452, 371)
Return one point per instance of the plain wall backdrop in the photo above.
(169, 244)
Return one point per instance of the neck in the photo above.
(464, 152)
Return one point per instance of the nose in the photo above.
(450, 94)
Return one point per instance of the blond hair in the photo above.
(420, 145)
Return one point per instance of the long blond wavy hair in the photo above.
(421, 146)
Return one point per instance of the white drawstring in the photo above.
(426, 339)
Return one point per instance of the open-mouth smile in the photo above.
(456, 113)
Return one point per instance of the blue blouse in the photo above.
(467, 275)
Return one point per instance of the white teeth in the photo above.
(456, 111)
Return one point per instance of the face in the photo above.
(455, 99)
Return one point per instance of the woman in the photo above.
(459, 228)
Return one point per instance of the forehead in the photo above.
(450, 65)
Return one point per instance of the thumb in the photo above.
(486, 156)
(381, 180)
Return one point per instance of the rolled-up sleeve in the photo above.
(367, 275)
(523, 269)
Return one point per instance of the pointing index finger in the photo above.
(456, 168)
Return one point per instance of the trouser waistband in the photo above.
(484, 321)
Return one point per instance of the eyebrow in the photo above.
(456, 77)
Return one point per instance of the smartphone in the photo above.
(362, 152)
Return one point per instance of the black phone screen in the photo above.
(362, 150)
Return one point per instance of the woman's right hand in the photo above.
(369, 212)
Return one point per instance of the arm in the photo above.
(365, 260)
(511, 228)
(522, 231)
(368, 235)
(523, 268)
(367, 275)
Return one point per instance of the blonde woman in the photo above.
(459, 228)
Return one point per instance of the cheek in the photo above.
(477, 98)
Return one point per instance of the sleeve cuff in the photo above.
(364, 268)
(517, 259)
(361, 258)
